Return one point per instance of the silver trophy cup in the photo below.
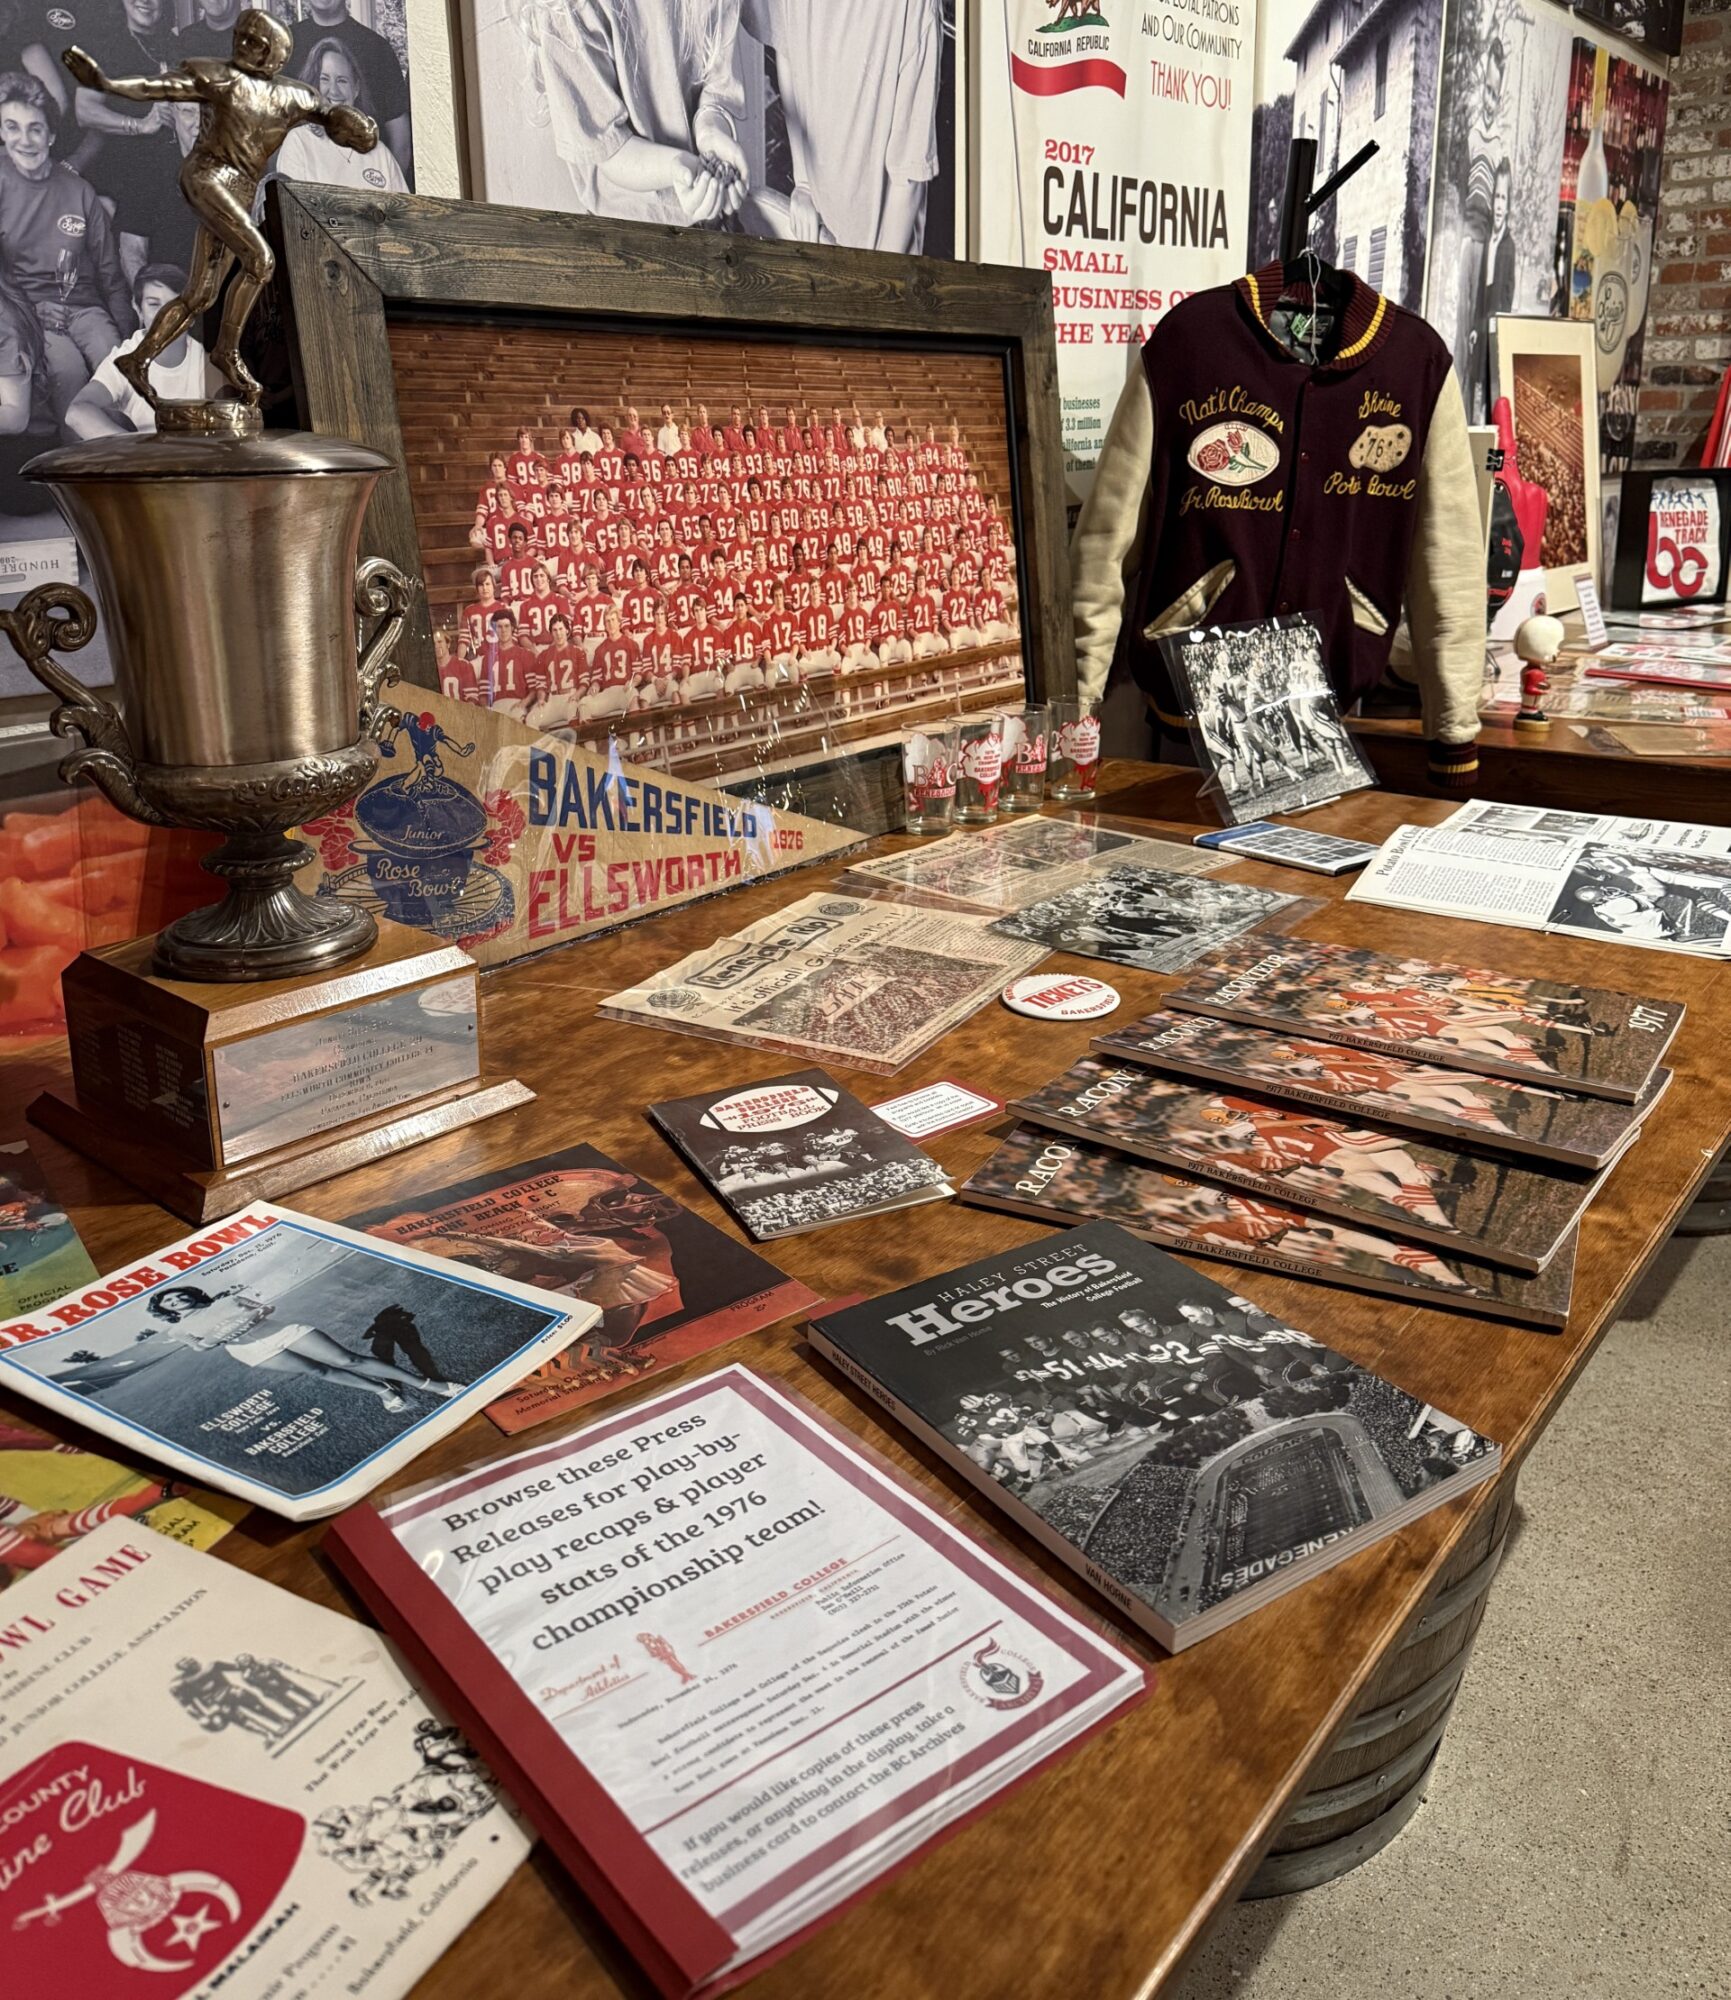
(249, 655)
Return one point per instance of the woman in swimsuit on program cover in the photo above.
(211, 1321)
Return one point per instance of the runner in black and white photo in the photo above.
(1264, 721)
(233, 1323)
(298, 1353)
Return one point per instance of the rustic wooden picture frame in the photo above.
(348, 260)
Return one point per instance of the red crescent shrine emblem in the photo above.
(105, 1887)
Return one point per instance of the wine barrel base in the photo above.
(1375, 1775)
(1310, 1867)
(1710, 1212)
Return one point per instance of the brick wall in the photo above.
(1689, 308)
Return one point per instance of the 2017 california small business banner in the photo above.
(1114, 152)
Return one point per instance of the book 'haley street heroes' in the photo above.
(1191, 1455)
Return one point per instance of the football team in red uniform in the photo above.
(657, 566)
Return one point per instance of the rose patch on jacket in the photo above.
(1233, 454)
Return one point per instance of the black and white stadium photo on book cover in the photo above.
(1263, 719)
(1191, 1453)
(783, 118)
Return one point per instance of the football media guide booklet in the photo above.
(667, 1284)
(1057, 1179)
(41, 1255)
(1479, 1111)
(798, 1152)
(1503, 1211)
(1581, 1038)
(1188, 1453)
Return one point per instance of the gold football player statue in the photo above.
(246, 111)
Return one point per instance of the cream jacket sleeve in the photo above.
(1445, 578)
(1107, 545)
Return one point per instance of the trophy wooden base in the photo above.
(210, 1096)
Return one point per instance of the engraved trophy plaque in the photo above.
(271, 1038)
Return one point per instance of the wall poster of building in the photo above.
(1499, 165)
(799, 119)
(1114, 152)
(87, 266)
(1342, 72)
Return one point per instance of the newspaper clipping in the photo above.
(870, 984)
(1662, 884)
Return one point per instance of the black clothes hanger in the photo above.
(1300, 203)
(1313, 292)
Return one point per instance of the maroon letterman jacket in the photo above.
(1240, 482)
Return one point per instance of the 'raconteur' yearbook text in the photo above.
(1584, 1038)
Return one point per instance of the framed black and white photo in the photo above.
(86, 265)
(1264, 722)
(793, 119)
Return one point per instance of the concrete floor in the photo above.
(1576, 1842)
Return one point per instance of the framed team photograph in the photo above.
(731, 506)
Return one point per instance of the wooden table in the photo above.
(1100, 1877)
(1572, 766)
(1576, 764)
